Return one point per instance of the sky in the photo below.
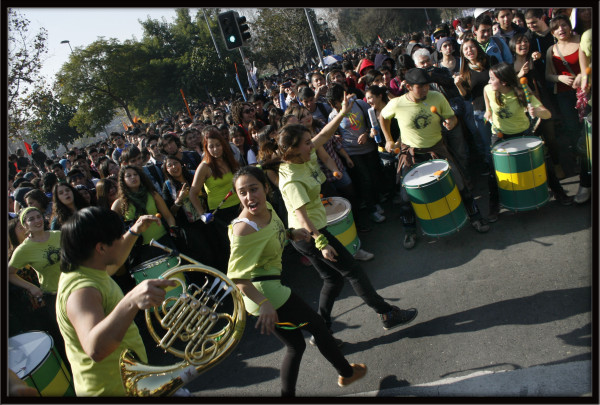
(82, 26)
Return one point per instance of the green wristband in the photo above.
(321, 242)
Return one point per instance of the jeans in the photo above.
(297, 311)
(334, 273)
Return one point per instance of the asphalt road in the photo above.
(510, 305)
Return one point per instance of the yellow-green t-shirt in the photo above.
(510, 118)
(155, 231)
(585, 44)
(94, 378)
(259, 254)
(216, 189)
(300, 185)
(419, 127)
(43, 257)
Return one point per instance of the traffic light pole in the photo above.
(314, 35)
(211, 34)
(247, 71)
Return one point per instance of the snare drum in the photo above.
(34, 359)
(521, 173)
(154, 268)
(340, 222)
(435, 198)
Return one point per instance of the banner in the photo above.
(28, 148)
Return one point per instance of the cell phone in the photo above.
(287, 85)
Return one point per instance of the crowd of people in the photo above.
(229, 181)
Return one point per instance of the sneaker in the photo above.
(363, 255)
(379, 210)
(583, 194)
(377, 217)
(480, 226)
(359, 372)
(304, 260)
(564, 199)
(397, 317)
(338, 342)
(410, 240)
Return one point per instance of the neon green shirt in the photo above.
(154, 231)
(585, 44)
(300, 185)
(216, 189)
(510, 118)
(259, 254)
(94, 378)
(43, 257)
(419, 127)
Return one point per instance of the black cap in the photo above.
(417, 76)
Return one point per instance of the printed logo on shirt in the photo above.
(52, 255)
(504, 113)
(354, 121)
(421, 120)
(315, 175)
(281, 233)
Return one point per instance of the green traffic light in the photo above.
(232, 38)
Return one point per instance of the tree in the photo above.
(48, 122)
(100, 79)
(25, 58)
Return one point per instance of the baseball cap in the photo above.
(417, 76)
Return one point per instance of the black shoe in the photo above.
(493, 213)
(480, 226)
(338, 342)
(564, 199)
(397, 317)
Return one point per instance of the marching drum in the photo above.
(154, 268)
(435, 198)
(521, 173)
(34, 359)
(340, 222)
(588, 141)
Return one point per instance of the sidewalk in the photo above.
(560, 380)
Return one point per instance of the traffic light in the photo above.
(233, 28)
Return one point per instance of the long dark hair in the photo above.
(187, 175)
(515, 40)
(103, 188)
(289, 137)
(482, 60)
(253, 171)
(212, 132)
(80, 234)
(379, 91)
(59, 210)
(506, 74)
(124, 190)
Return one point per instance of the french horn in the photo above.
(197, 328)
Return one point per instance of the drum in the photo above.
(588, 141)
(34, 359)
(435, 198)
(154, 268)
(521, 173)
(340, 222)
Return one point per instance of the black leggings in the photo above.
(297, 311)
(333, 274)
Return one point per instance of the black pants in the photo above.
(333, 274)
(297, 311)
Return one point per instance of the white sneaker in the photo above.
(379, 210)
(583, 194)
(377, 217)
(363, 255)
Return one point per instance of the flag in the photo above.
(380, 40)
(28, 148)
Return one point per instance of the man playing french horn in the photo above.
(95, 318)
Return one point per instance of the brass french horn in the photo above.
(195, 330)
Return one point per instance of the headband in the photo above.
(24, 212)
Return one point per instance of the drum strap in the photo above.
(265, 278)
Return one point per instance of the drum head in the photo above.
(517, 145)
(337, 210)
(425, 173)
(150, 263)
(27, 351)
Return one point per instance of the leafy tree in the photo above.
(101, 79)
(49, 119)
(25, 58)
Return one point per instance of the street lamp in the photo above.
(66, 41)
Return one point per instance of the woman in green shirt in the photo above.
(257, 240)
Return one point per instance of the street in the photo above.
(507, 313)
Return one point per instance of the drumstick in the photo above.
(169, 250)
(434, 110)
(206, 218)
(526, 90)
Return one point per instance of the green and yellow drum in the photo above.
(435, 198)
(34, 359)
(340, 222)
(521, 173)
(154, 268)
(588, 141)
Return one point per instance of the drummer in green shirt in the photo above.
(95, 318)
